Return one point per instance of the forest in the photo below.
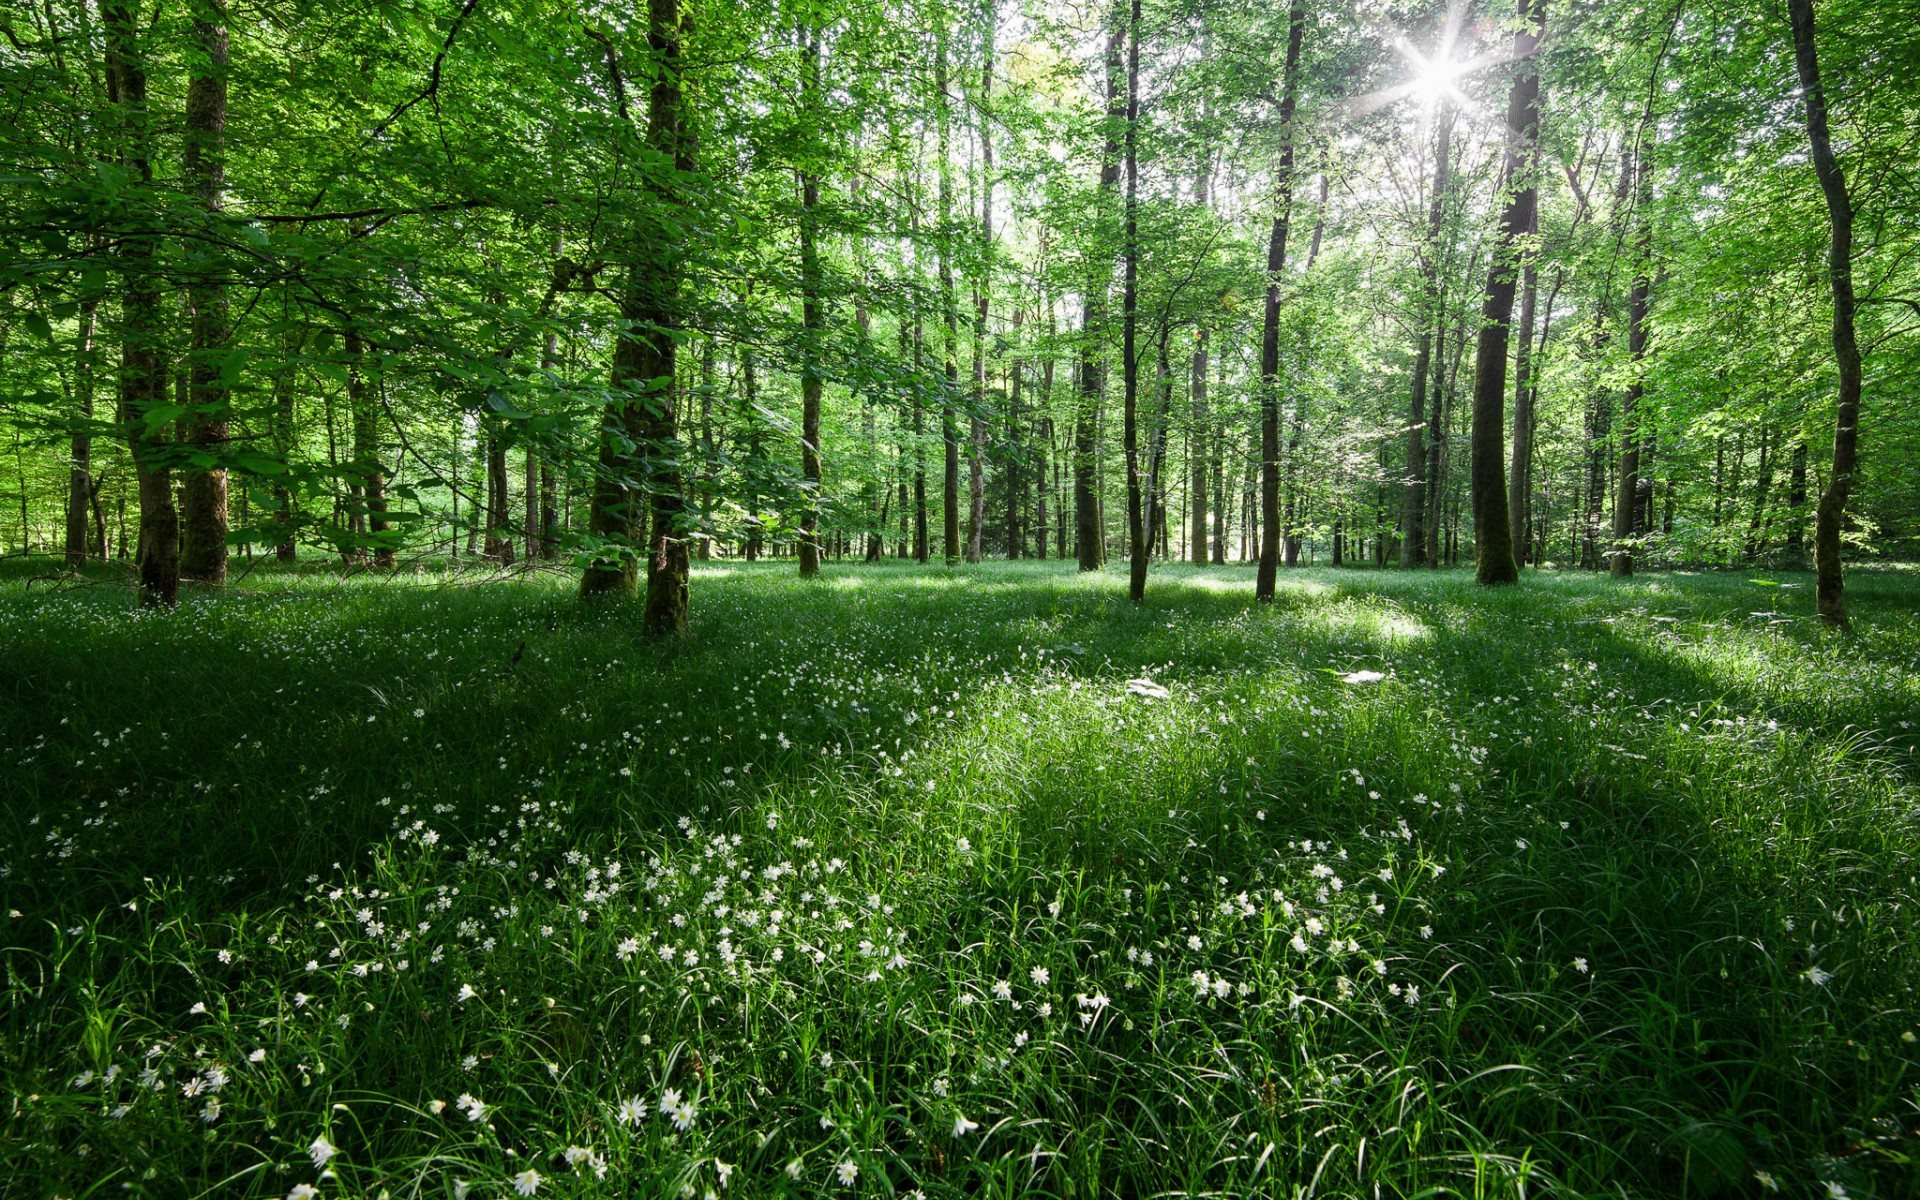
(960, 598)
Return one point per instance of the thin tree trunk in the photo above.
(1626, 497)
(368, 470)
(1437, 416)
(813, 324)
(499, 538)
(1832, 510)
(1520, 483)
(1296, 503)
(950, 319)
(749, 393)
(982, 298)
(1268, 573)
(1762, 495)
(80, 484)
(1413, 519)
(1138, 523)
(1089, 527)
(1796, 504)
(549, 515)
(285, 439)
(1042, 484)
(1197, 452)
(1016, 443)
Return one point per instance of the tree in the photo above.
(203, 491)
(143, 369)
(1832, 510)
(1270, 336)
(813, 320)
(638, 453)
(1139, 523)
(1627, 492)
(1493, 535)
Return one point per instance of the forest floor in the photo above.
(972, 883)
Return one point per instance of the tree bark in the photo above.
(368, 469)
(982, 300)
(80, 484)
(1626, 496)
(950, 318)
(285, 515)
(1437, 421)
(203, 490)
(813, 323)
(543, 507)
(1413, 510)
(1762, 496)
(1829, 584)
(143, 367)
(1268, 573)
(1520, 481)
(1796, 505)
(641, 415)
(1089, 535)
(1138, 523)
(1016, 441)
(1295, 517)
(1493, 532)
(1197, 452)
(498, 546)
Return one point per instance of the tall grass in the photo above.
(974, 883)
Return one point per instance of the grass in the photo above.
(974, 883)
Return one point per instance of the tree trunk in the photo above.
(1016, 443)
(1089, 531)
(203, 490)
(749, 394)
(1296, 503)
(1270, 335)
(1796, 505)
(143, 368)
(284, 440)
(1832, 511)
(1762, 496)
(1437, 418)
(1413, 519)
(641, 414)
(499, 540)
(1520, 483)
(368, 470)
(1197, 452)
(548, 516)
(1492, 529)
(813, 325)
(1043, 455)
(982, 299)
(1042, 483)
(950, 318)
(1626, 497)
(81, 488)
(1138, 523)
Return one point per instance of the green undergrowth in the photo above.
(967, 883)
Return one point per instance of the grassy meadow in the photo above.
(960, 883)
